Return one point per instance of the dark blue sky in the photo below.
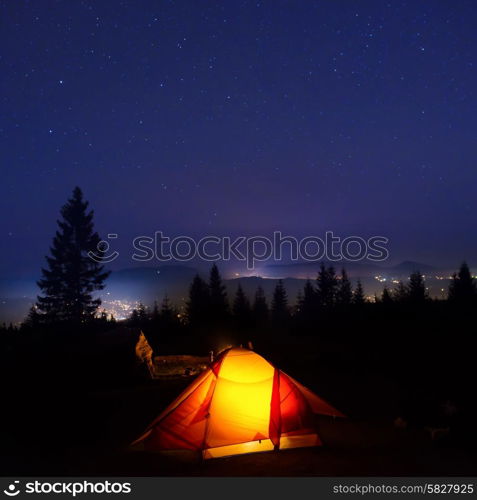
(229, 117)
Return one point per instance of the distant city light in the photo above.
(120, 309)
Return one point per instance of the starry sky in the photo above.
(241, 117)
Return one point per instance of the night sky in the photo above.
(196, 117)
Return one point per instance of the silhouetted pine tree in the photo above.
(142, 313)
(134, 318)
(260, 312)
(327, 285)
(197, 307)
(72, 275)
(400, 294)
(155, 315)
(167, 309)
(416, 289)
(103, 317)
(168, 317)
(219, 306)
(358, 294)
(241, 309)
(386, 297)
(344, 293)
(463, 288)
(280, 313)
(33, 319)
(299, 302)
(307, 304)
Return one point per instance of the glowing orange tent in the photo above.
(240, 404)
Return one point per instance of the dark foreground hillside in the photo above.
(72, 404)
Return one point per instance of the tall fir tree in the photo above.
(168, 317)
(167, 309)
(142, 313)
(327, 286)
(72, 276)
(386, 297)
(344, 293)
(307, 303)
(260, 311)
(197, 306)
(400, 293)
(155, 314)
(133, 319)
(103, 317)
(416, 289)
(241, 308)
(280, 312)
(298, 305)
(358, 295)
(33, 319)
(219, 306)
(463, 287)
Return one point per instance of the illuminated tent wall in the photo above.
(241, 404)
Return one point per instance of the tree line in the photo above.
(208, 304)
(71, 281)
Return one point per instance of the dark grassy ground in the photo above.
(352, 447)
(73, 414)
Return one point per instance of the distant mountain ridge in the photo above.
(408, 266)
(356, 269)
